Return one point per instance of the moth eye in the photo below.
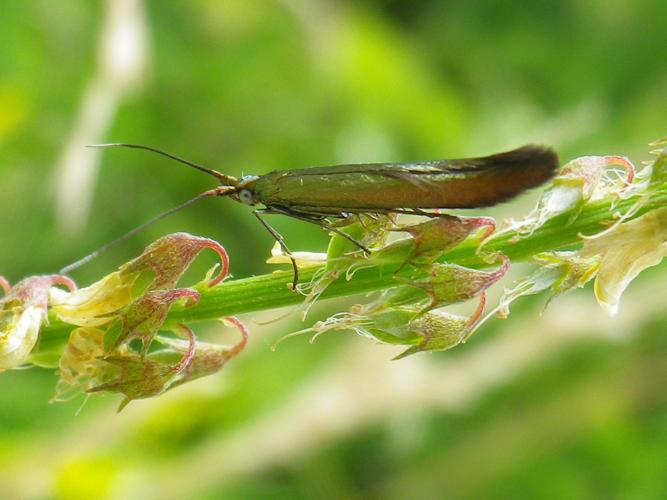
(245, 196)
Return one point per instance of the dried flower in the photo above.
(140, 377)
(133, 303)
(81, 363)
(582, 180)
(208, 358)
(434, 330)
(557, 271)
(143, 318)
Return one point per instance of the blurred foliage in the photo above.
(254, 85)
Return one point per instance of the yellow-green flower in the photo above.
(625, 252)
(160, 266)
(22, 312)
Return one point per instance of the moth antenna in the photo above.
(226, 180)
(103, 249)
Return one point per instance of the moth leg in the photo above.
(281, 241)
(349, 238)
(329, 227)
(414, 211)
(320, 221)
(432, 215)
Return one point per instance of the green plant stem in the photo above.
(271, 291)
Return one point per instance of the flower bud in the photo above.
(170, 256)
(144, 317)
(439, 330)
(449, 283)
(433, 238)
(207, 358)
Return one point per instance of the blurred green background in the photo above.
(569, 404)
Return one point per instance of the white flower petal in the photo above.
(627, 251)
(20, 337)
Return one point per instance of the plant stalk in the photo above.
(272, 290)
